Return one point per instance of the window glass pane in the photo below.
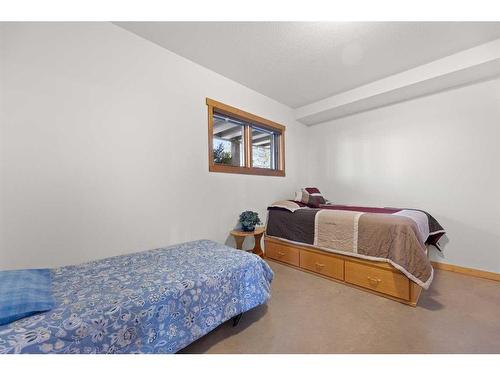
(228, 146)
(264, 148)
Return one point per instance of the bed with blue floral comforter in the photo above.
(156, 301)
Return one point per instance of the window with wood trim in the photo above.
(240, 142)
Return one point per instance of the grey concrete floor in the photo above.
(309, 314)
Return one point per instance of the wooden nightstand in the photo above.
(240, 235)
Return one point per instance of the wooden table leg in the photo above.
(257, 249)
(239, 242)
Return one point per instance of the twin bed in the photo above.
(382, 250)
(157, 301)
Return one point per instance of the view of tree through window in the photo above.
(228, 141)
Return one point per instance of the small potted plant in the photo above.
(249, 220)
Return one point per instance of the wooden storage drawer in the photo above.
(323, 264)
(281, 253)
(380, 280)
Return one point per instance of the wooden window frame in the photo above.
(215, 106)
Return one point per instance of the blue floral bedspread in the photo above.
(156, 301)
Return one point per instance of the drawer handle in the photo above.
(280, 254)
(319, 265)
(373, 280)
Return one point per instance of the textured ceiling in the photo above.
(297, 63)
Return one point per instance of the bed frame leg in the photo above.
(236, 319)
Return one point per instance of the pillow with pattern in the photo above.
(310, 196)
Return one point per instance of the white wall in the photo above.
(103, 146)
(103, 150)
(440, 153)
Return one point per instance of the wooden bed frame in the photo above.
(379, 278)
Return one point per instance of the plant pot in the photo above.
(246, 228)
